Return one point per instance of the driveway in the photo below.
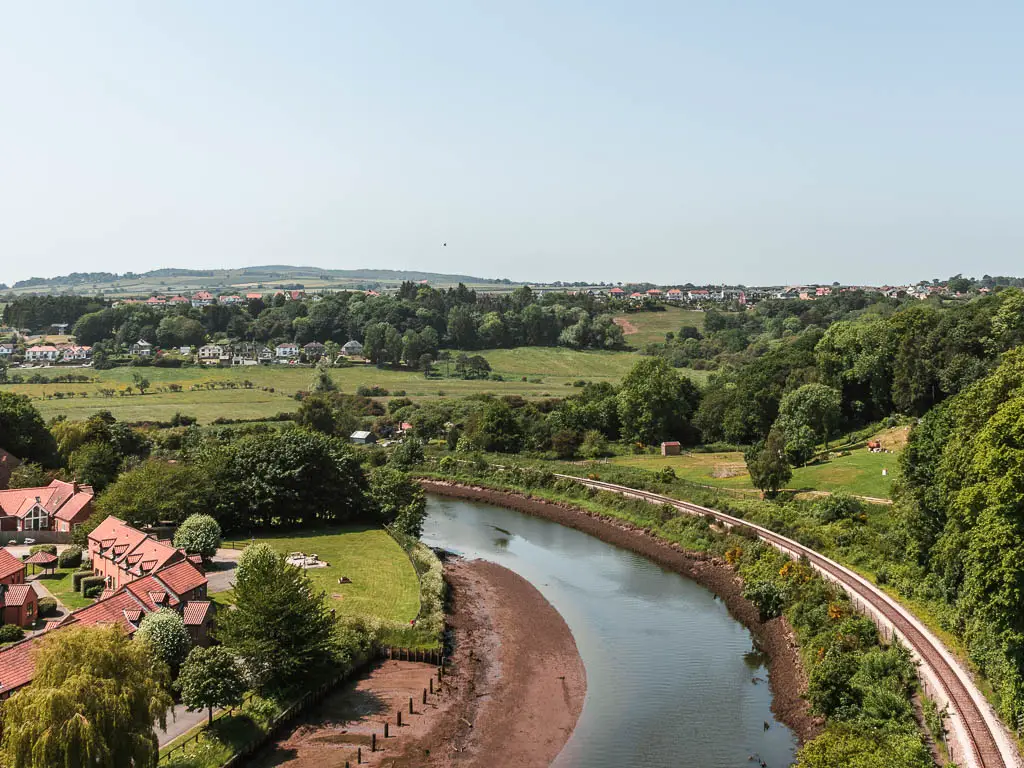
(220, 574)
(180, 721)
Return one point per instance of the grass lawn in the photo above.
(860, 473)
(384, 583)
(652, 326)
(208, 393)
(59, 583)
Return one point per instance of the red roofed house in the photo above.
(122, 554)
(176, 587)
(617, 292)
(674, 294)
(671, 448)
(19, 603)
(58, 506)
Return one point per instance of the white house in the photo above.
(76, 353)
(287, 350)
(6, 350)
(202, 299)
(42, 352)
(211, 353)
(352, 348)
(142, 348)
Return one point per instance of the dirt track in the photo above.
(512, 697)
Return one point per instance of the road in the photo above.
(979, 739)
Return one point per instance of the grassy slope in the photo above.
(652, 326)
(859, 473)
(384, 583)
(555, 368)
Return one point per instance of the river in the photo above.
(673, 681)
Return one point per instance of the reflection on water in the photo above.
(672, 680)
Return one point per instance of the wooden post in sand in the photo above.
(431, 685)
(424, 697)
(359, 755)
(410, 706)
(385, 729)
(399, 718)
(373, 742)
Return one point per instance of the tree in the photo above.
(23, 432)
(322, 381)
(767, 465)
(198, 535)
(400, 499)
(655, 403)
(94, 700)
(846, 746)
(180, 331)
(211, 677)
(165, 631)
(281, 627)
(141, 382)
(498, 429)
(158, 491)
(29, 475)
(407, 453)
(813, 405)
(95, 464)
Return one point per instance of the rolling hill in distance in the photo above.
(267, 277)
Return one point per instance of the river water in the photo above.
(673, 681)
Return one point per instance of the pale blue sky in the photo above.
(717, 141)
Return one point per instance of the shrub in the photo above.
(198, 535)
(9, 633)
(76, 579)
(767, 596)
(47, 606)
(49, 548)
(70, 557)
(94, 583)
(838, 506)
(166, 632)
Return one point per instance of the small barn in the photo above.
(363, 437)
(671, 448)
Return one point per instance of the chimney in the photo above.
(37, 499)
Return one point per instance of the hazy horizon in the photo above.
(661, 142)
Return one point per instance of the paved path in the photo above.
(221, 575)
(180, 721)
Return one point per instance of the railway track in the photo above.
(982, 739)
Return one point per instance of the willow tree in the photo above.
(95, 699)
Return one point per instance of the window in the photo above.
(36, 520)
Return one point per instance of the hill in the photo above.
(260, 277)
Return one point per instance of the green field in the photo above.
(652, 326)
(384, 583)
(860, 473)
(209, 393)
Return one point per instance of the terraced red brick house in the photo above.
(58, 506)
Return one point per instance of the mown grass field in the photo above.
(60, 584)
(384, 583)
(645, 327)
(860, 473)
(209, 393)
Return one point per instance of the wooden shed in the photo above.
(671, 448)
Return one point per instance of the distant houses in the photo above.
(287, 350)
(141, 348)
(363, 437)
(59, 506)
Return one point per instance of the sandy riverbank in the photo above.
(511, 698)
(775, 637)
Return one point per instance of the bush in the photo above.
(374, 391)
(94, 583)
(198, 535)
(49, 548)
(70, 557)
(838, 506)
(76, 579)
(9, 633)
(766, 596)
(47, 606)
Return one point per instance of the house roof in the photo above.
(181, 577)
(42, 558)
(361, 434)
(196, 612)
(9, 565)
(671, 442)
(18, 502)
(16, 594)
(132, 550)
(17, 665)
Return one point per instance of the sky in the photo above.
(737, 142)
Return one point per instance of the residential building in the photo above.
(177, 300)
(156, 301)
(212, 353)
(363, 437)
(121, 554)
(142, 348)
(251, 296)
(72, 352)
(314, 350)
(202, 299)
(6, 350)
(617, 293)
(352, 349)
(180, 587)
(674, 294)
(232, 299)
(58, 506)
(19, 603)
(42, 353)
(699, 294)
(288, 349)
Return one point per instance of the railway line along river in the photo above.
(672, 679)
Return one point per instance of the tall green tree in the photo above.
(198, 535)
(281, 626)
(95, 699)
(766, 462)
(23, 432)
(816, 406)
(159, 491)
(211, 678)
(400, 499)
(655, 403)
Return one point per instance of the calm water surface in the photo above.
(672, 679)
